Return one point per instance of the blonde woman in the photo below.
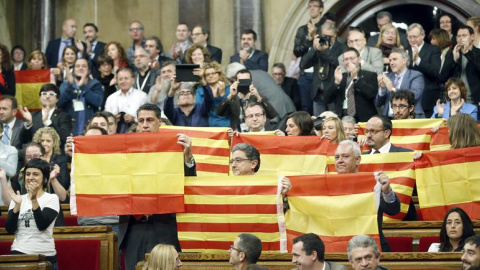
(163, 257)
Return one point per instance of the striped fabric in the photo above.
(440, 140)
(28, 84)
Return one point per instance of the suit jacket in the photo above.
(430, 68)
(52, 51)
(325, 61)
(61, 122)
(390, 209)
(215, 53)
(333, 266)
(393, 149)
(98, 50)
(259, 60)
(9, 78)
(472, 71)
(290, 87)
(413, 81)
(467, 108)
(366, 88)
(154, 73)
(372, 59)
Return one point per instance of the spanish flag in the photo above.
(447, 179)
(288, 155)
(209, 147)
(127, 174)
(218, 209)
(335, 207)
(440, 140)
(414, 134)
(28, 84)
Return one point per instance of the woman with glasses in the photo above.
(456, 94)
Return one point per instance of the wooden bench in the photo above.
(108, 241)
(24, 262)
(406, 260)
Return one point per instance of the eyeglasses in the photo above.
(29, 157)
(413, 37)
(373, 131)
(51, 94)
(234, 248)
(238, 160)
(135, 29)
(185, 93)
(400, 107)
(211, 73)
(257, 115)
(196, 34)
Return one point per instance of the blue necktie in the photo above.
(5, 138)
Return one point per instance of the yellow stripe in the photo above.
(410, 139)
(230, 199)
(27, 94)
(219, 160)
(440, 147)
(405, 190)
(224, 236)
(210, 174)
(133, 173)
(403, 209)
(250, 180)
(230, 218)
(413, 123)
(205, 129)
(204, 142)
(267, 133)
(293, 164)
(388, 158)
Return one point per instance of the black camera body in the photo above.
(324, 40)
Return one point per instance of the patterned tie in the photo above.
(396, 84)
(351, 109)
(5, 138)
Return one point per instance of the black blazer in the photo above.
(259, 60)
(472, 71)
(390, 209)
(61, 122)
(9, 78)
(99, 50)
(52, 51)
(215, 53)
(290, 87)
(366, 88)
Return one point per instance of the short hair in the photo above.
(20, 47)
(127, 69)
(150, 107)
(312, 242)
(96, 115)
(460, 84)
(184, 23)
(248, 32)
(43, 166)
(105, 59)
(142, 48)
(464, 26)
(442, 37)
(7, 63)
(383, 14)
(473, 240)
(251, 245)
(158, 42)
(107, 114)
(349, 119)
(253, 104)
(445, 245)
(102, 130)
(243, 71)
(168, 63)
(403, 53)
(386, 122)
(37, 138)
(205, 30)
(250, 151)
(281, 66)
(89, 64)
(191, 49)
(92, 25)
(351, 49)
(36, 54)
(320, 2)
(418, 26)
(405, 94)
(356, 149)
(12, 99)
(49, 87)
(33, 144)
(162, 256)
(137, 21)
(362, 241)
(356, 29)
(463, 131)
(303, 120)
(329, 26)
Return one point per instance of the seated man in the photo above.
(471, 253)
(403, 104)
(362, 251)
(308, 253)
(98, 120)
(245, 251)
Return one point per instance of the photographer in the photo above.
(323, 56)
(243, 92)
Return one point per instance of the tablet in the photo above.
(185, 73)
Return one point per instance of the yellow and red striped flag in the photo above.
(288, 155)
(127, 174)
(28, 84)
(209, 147)
(218, 209)
(335, 207)
(447, 179)
(440, 140)
(414, 134)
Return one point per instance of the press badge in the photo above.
(78, 105)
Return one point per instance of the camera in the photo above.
(324, 40)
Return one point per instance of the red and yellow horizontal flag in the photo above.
(288, 155)
(335, 207)
(447, 179)
(28, 84)
(218, 209)
(127, 174)
(414, 134)
(209, 146)
(440, 140)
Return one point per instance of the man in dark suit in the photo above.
(347, 160)
(353, 91)
(426, 59)
(289, 85)
(248, 55)
(55, 47)
(201, 35)
(308, 252)
(154, 46)
(95, 48)
(400, 78)
(139, 236)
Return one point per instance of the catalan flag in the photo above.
(209, 147)
(335, 207)
(440, 140)
(448, 179)
(127, 174)
(28, 84)
(291, 155)
(414, 134)
(218, 209)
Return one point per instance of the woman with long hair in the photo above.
(457, 226)
(332, 129)
(7, 77)
(298, 124)
(116, 51)
(439, 37)
(474, 23)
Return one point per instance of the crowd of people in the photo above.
(99, 88)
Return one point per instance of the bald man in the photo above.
(55, 47)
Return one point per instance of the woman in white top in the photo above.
(31, 217)
(457, 226)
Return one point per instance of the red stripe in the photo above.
(331, 184)
(438, 212)
(400, 216)
(398, 131)
(425, 146)
(149, 142)
(440, 137)
(230, 190)
(128, 204)
(404, 198)
(406, 181)
(215, 168)
(211, 151)
(225, 245)
(448, 157)
(231, 208)
(284, 145)
(227, 227)
(32, 76)
(199, 133)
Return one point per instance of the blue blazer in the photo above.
(413, 81)
(259, 60)
(467, 108)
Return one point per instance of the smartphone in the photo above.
(244, 85)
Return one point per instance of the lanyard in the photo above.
(144, 80)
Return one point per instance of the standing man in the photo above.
(95, 48)
(289, 85)
(178, 49)
(308, 253)
(245, 251)
(363, 253)
(155, 48)
(372, 58)
(201, 35)
(55, 47)
(303, 42)
(426, 59)
(248, 56)
(136, 33)
(353, 91)
(144, 76)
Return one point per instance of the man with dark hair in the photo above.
(56, 47)
(245, 159)
(471, 253)
(383, 18)
(98, 120)
(178, 49)
(112, 122)
(154, 46)
(378, 132)
(363, 253)
(255, 117)
(308, 253)
(95, 48)
(249, 56)
(403, 104)
(371, 57)
(246, 250)
(201, 35)
(289, 85)
(136, 33)
(106, 78)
